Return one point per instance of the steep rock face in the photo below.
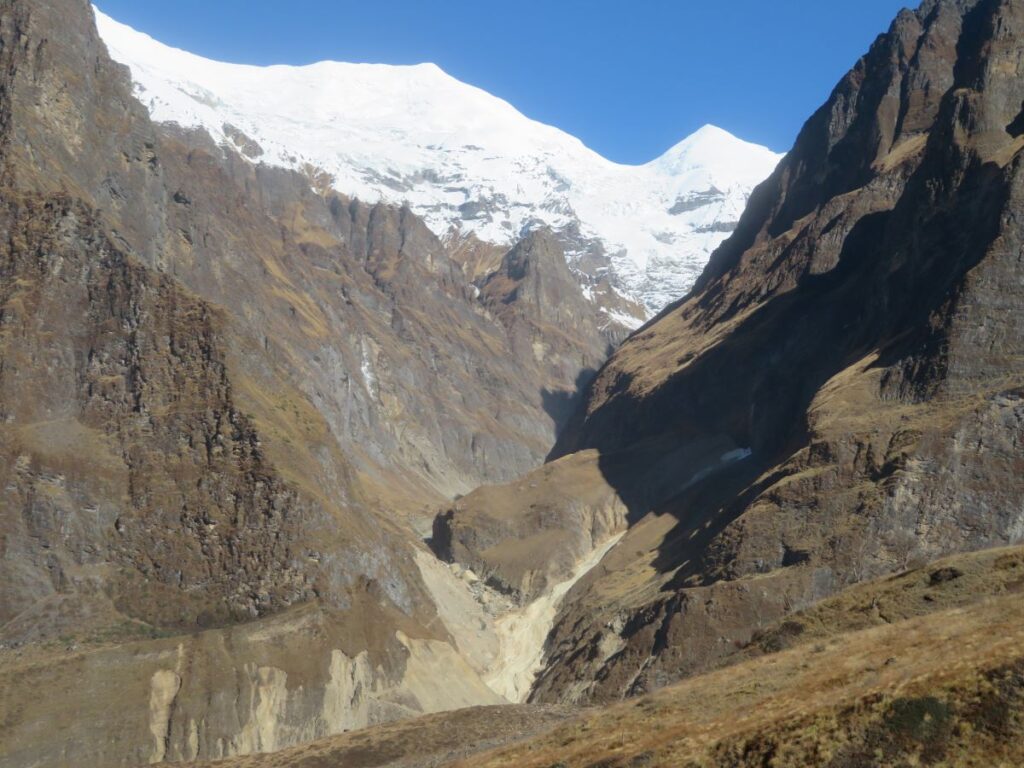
(535, 296)
(858, 340)
(227, 393)
(378, 325)
(139, 501)
(524, 536)
(861, 334)
(535, 273)
(295, 268)
(299, 676)
(126, 448)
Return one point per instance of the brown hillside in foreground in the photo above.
(926, 666)
(946, 690)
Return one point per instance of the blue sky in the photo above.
(629, 78)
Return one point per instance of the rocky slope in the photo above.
(944, 690)
(839, 397)
(231, 399)
(921, 669)
(465, 161)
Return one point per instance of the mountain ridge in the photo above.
(462, 158)
(838, 397)
(784, 518)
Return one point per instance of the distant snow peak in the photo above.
(462, 158)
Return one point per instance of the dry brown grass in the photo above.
(426, 741)
(924, 668)
(953, 582)
(943, 689)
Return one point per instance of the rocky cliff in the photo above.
(924, 668)
(841, 394)
(231, 399)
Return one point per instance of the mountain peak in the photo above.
(711, 146)
(461, 158)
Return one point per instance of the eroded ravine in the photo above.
(502, 641)
(522, 633)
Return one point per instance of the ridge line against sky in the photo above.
(629, 80)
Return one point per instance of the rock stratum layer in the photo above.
(841, 396)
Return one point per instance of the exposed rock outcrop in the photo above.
(290, 679)
(857, 343)
(920, 668)
(227, 394)
(126, 460)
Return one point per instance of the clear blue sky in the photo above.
(629, 77)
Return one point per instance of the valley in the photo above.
(339, 431)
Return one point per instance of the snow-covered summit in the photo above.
(714, 150)
(461, 158)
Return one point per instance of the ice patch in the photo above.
(366, 368)
(737, 455)
(626, 321)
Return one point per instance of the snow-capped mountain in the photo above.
(462, 158)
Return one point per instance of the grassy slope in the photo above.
(943, 689)
(923, 668)
(422, 743)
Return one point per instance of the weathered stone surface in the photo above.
(523, 537)
(259, 687)
(858, 341)
(226, 393)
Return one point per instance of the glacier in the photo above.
(467, 162)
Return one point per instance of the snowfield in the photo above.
(462, 158)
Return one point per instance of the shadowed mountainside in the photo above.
(839, 397)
